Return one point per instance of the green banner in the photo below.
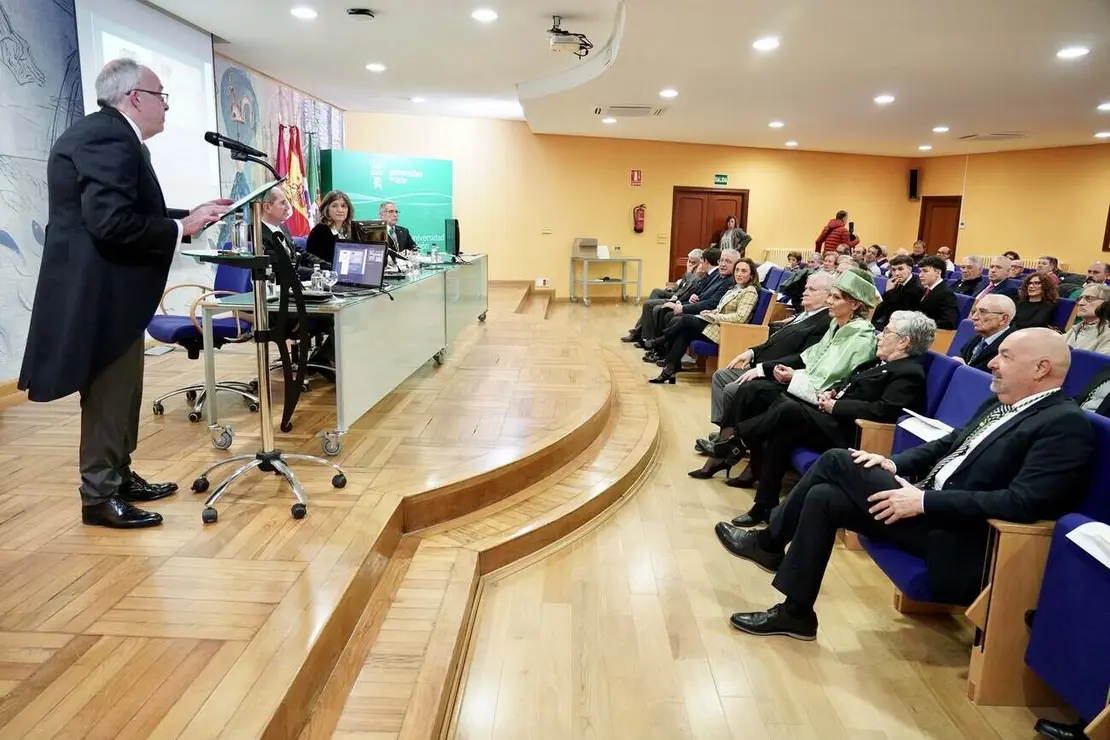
(421, 188)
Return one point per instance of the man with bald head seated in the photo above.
(1024, 456)
(991, 318)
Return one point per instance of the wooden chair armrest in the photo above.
(942, 341)
(737, 338)
(1036, 529)
(876, 437)
(235, 312)
(777, 312)
(172, 288)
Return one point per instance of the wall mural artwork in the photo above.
(252, 109)
(40, 96)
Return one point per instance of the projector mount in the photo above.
(562, 40)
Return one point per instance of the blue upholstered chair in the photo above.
(774, 278)
(880, 283)
(964, 303)
(964, 332)
(1084, 366)
(1065, 310)
(706, 348)
(185, 331)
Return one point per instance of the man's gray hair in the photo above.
(1100, 291)
(734, 252)
(272, 194)
(1002, 261)
(844, 258)
(916, 327)
(974, 260)
(1002, 303)
(695, 254)
(820, 281)
(116, 80)
(385, 204)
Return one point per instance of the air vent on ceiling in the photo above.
(1004, 136)
(629, 111)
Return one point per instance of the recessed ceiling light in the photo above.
(925, 148)
(1103, 135)
(940, 129)
(884, 99)
(1104, 107)
(668, 93)
(375, 67)
(484, 15)
(303, 13)
(1073, 52)
(776, 124)
(792, 143)
(767, 43)
(419, 100)
(608, 120)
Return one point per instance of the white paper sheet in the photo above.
(1094, 539)
(923, 427)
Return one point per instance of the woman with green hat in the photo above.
(848, 343)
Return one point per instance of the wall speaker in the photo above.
(913, 184)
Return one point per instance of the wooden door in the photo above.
(697, 217)
(940, 223)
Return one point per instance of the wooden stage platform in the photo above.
(349, 623)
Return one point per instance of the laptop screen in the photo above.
(360, 264)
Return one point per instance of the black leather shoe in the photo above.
(1059, 731)
(756, 516)
(118, 514)
(135, 488)
(775, 621)
(746, 479)
(651, 357)
(630, 338)
(743, 545)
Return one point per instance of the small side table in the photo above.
(585, 281)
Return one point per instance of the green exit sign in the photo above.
(720, 179)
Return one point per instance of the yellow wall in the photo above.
(511, 185)
(1042, 201)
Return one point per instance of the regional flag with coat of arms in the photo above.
(291, 167)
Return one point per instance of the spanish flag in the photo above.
(296, 186)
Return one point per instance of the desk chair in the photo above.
(186, 332)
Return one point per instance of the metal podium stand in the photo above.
(268, 459)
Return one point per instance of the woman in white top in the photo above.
(1092, 331)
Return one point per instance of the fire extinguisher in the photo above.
(638, 219)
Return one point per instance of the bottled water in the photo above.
(317, 282)
(435, 254)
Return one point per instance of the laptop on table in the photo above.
(360, 267)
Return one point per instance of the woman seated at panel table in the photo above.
(877, 391)
(1036, 304)
(848, 343)
(735, 307)
(336, 214)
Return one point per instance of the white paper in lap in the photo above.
(1094, 539)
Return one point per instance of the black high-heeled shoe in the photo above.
(732, 447)
(663, 377)
(710, 469)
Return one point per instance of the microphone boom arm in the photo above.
(242, 157)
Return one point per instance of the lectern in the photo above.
(267, 459)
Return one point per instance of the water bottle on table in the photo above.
(435, 253)
(317, 283)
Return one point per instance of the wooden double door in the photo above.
(698, 216)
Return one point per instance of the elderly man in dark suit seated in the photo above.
(991, 318)
(1023, 457)
(683, 288)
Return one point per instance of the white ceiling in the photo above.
(984, 66)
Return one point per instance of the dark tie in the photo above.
(996, 414)
(393, 237)
(979, 347)
(927, 292)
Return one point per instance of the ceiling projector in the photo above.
(565, 41)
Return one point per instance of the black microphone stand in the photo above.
(268, 459)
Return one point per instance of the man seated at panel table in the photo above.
(803, 331)
(399, 237)
(683, 288)
(991, 318)
(276, 239)
(1023, 457)
(705, 295)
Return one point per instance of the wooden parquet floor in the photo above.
(229, 630)
(622, 631)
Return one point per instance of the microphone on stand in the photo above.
(236, 147)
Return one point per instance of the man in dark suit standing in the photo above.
(1023, 457)
(938, 302)
(109, 244)
(991, 318)
(903, 291)
(399, 237)
(801, 333)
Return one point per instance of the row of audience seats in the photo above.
(1073, 660)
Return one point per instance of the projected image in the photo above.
(352, 261)
(40, 96)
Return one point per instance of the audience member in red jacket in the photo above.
(835, 234)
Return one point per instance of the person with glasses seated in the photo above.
(1091, 331)
(1037, 302)
(399, 237)
(991, 318)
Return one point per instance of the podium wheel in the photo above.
(299, 511)
(209, 516)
